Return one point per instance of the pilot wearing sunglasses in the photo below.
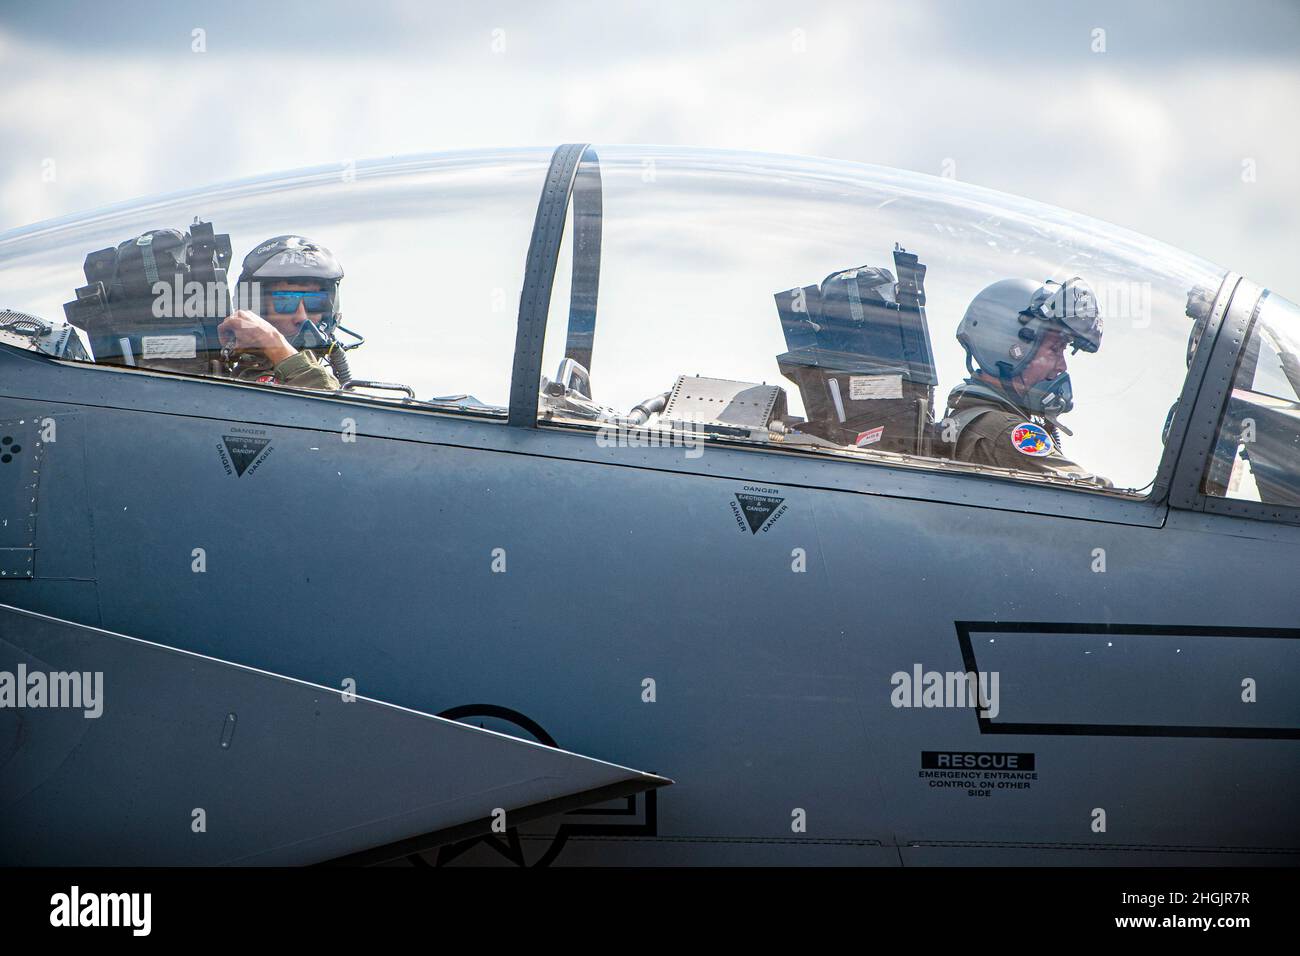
(297, 283)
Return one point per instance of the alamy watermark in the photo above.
(682, 435)
(76, 908)
(173, 299)
(76, 690)
(922, 688)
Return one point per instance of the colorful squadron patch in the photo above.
(1030, 439)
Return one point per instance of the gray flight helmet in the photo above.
(1005, 324)
(297, 258)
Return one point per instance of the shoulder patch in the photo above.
(1030, 439)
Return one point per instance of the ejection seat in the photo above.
(859, 352)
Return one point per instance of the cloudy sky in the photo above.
(1178, 121)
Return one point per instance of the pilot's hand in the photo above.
(246, 330)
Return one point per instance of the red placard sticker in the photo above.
(869, 437)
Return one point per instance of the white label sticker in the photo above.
(875, 386)
(168, 347)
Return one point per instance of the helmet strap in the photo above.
(1004, 376)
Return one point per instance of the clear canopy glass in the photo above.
(432, 250)
(829, 293)
(700, 246)
(1257, 451)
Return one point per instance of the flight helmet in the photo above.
(297, 258)
(1005, 325)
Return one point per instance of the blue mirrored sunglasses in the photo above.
(313, 300)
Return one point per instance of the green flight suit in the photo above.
(300, 370)
(986, 421)
(304, 370)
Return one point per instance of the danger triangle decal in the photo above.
(243, 451)
(757, 509)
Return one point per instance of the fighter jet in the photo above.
(867, 518)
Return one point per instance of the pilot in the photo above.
(298, 281)
(1016, 331)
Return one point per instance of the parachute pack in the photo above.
(156, 300)
(860, 354)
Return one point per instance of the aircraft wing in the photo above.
(198, 761)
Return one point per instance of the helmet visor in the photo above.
(1072, 305)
